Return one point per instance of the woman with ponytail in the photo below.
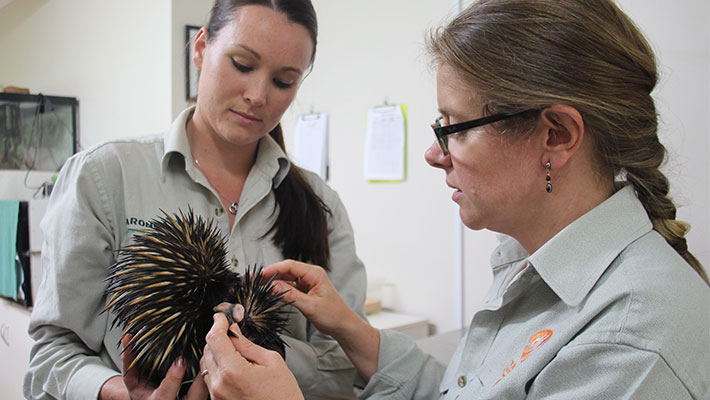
(548, 135)
(225, 159)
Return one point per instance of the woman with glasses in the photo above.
(547, 135)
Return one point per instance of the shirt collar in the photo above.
(574, 259)
(270, 159)
(508, 251)
(175, 141)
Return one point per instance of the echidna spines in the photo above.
(164, 286)
(151, 277)
(260, 310)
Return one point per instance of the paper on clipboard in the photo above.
(385, 144)
(310, 150)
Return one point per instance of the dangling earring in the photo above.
(548, 187)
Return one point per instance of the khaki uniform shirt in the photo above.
(604, 310)
(105, 193)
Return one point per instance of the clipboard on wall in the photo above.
(310, 150)
(386, 144)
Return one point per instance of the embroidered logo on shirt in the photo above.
(135, 225)
(139, 222)
(534, 343)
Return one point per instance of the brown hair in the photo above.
(297, 11)
(301, 226)
(520, 54)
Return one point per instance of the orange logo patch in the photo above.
(534, 343)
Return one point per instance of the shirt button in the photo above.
(462, 381)
(219, 211)
(235, 262)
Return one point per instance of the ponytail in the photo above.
(301, 227)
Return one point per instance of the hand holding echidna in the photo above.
(164, 289)
(251, 371)
(257, 373)
(310, 290)
(168, 388)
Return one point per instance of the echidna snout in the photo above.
(163, 289)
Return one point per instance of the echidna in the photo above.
(165, 287)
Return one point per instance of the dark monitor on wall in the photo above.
(37, 132)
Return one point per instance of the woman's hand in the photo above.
(168, 388)
(251, 371)
(310, 290)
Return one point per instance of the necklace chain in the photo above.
(233, 205)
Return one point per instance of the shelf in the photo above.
(415, 327)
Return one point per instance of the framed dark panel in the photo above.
(191, 72)
(37, 132)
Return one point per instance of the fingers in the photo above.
(281, 268)
(170, 385)
(130, 375)
(290, 270)
(307, 287)
(249, 372)
(219, 343)
(198, 389)
(222, 347)
(220, 361)
(290, 294)
(252, 352)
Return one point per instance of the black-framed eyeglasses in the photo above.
(442, 131)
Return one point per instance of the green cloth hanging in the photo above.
(9, 214)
